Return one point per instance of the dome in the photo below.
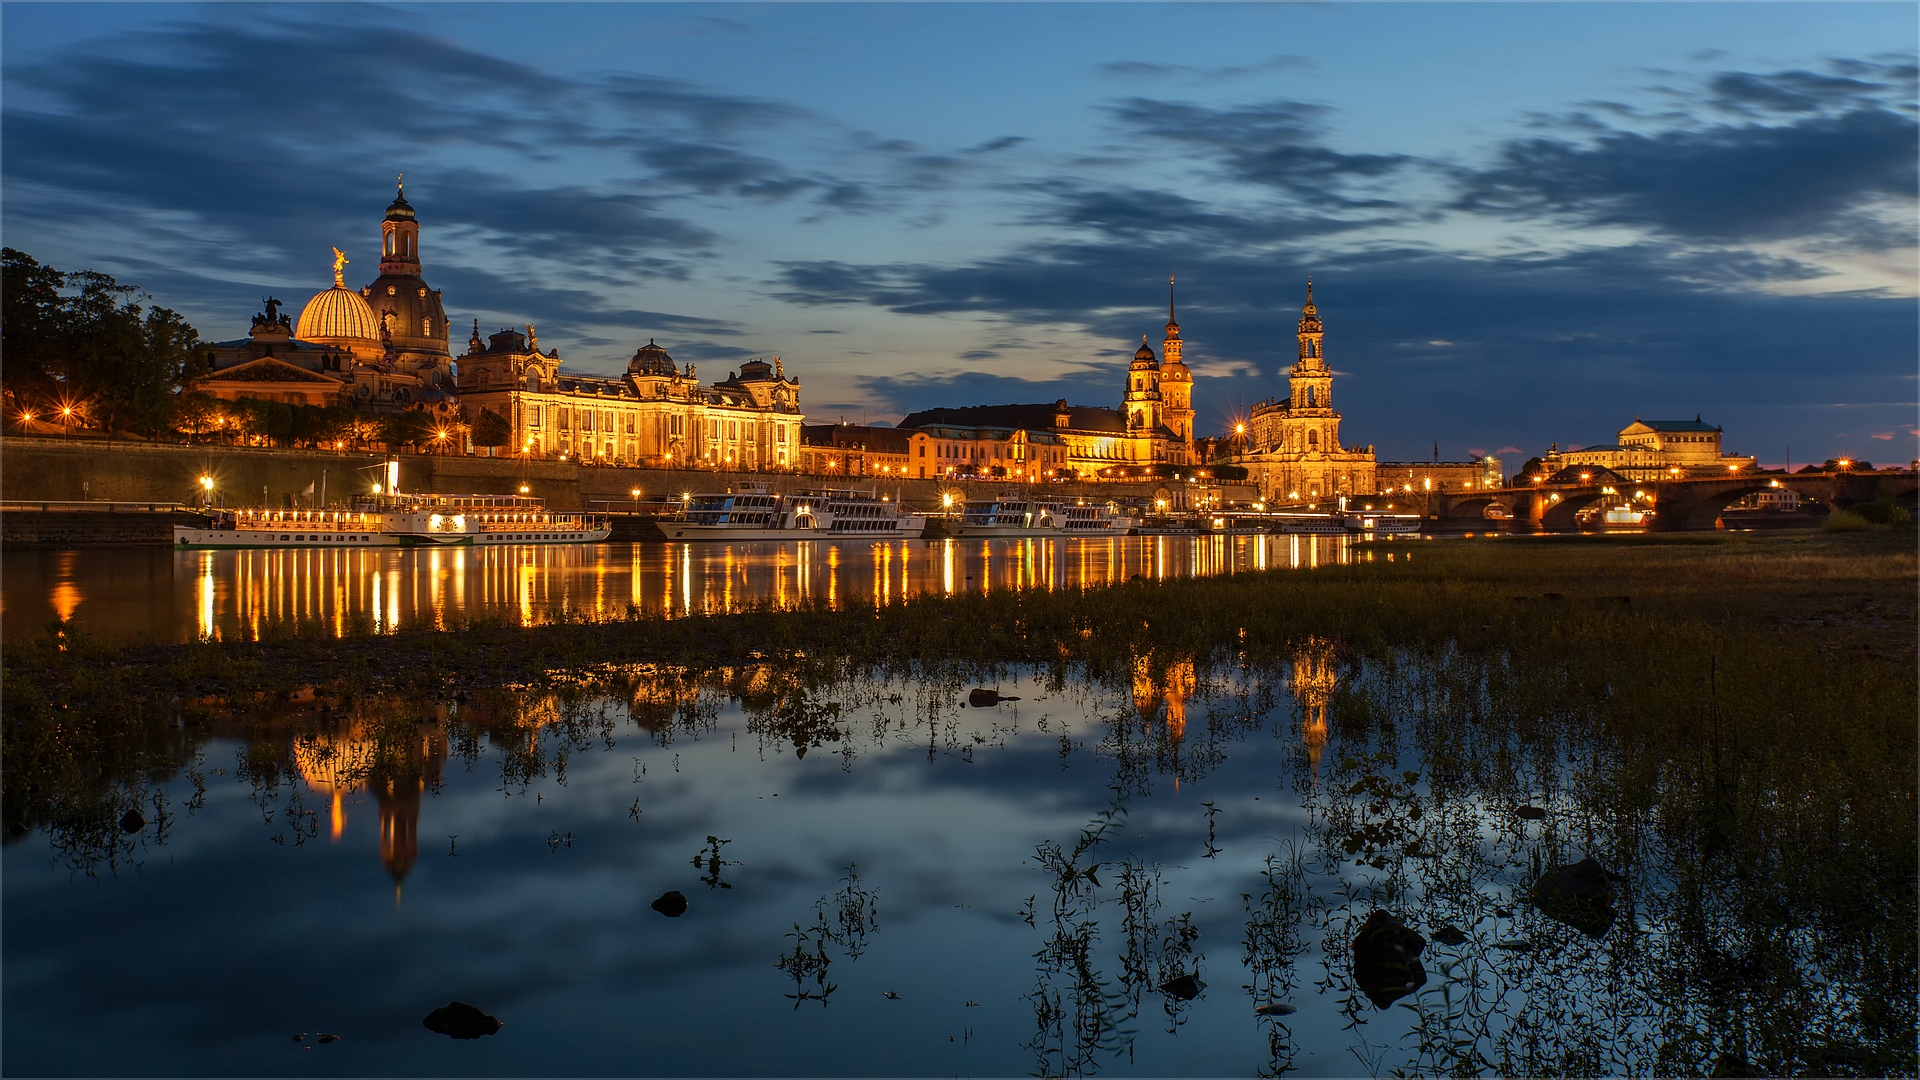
(650, 359)
(1145, 352)
(337, 313)
(419, 318)
(399, 209)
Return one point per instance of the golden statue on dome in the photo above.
(339, 261)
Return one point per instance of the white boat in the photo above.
(1033, 517)
(398, 521)
(752, 513)
(1331, 523)
(1382, 524)
(861, 513)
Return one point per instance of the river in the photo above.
(159, 594)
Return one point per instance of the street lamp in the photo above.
(66, 421)
(206, 489)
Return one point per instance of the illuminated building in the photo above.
(1651, 449)
(384, 346)
(1011, 453)
(1153, 425)
(853, 450)
(1293, 451)
(655, 414)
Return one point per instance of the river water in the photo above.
(1153, 874)
(161, 594)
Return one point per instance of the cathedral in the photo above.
(384, 347)
(1291, 448)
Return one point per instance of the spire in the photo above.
(1173, 325)
(473, 343)
(1310, 315)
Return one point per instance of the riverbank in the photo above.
(1846, 595)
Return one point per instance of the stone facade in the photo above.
(1292, 448)
(1648, 450)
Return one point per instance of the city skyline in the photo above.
(1638, 211)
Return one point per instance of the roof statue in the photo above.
(533, 339)
(340, 261)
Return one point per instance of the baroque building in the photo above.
(1292, 448)
(384, 347)
(1152, 426)
(1647, 450)
(655, 414)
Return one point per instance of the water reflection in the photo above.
(1159, 872)
(243, 595)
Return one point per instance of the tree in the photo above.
(1532, 467)
(491, 430)
(195, 412)
(83, 340)
(405, 428)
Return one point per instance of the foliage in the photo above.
(408, 428)
(491, 430)
(1845, 521)
(84, 340)
(1229, 472)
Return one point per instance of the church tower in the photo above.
(1176, 385)
(1143, 390)
(1311, 426)
(410, 313)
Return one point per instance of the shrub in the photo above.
(1844, 521)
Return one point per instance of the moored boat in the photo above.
(861, 513)
(395, 520)
(752, 513)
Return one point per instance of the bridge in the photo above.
(1673, 504)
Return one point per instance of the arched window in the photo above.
(1313, 438)
(426, 328)
(1309, 397)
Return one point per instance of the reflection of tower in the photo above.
(1172, 688)
(399, 801)
(1313, 683)
(396, 763)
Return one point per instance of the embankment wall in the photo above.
(67, 469)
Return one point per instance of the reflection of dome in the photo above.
(650, 359)
(335, 314)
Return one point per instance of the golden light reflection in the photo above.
(1313, 683)
(229, 595)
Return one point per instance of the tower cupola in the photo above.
(400, 236)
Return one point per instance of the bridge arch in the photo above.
(1559, 515)
(1704, 507)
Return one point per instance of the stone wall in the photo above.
(64, 469)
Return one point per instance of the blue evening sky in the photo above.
(1525, 222)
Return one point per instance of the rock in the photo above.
(672, 904)
(1386, 959)
(1580, 895)
(1449, 935)
(1184, 987)
(132, 822)
(459, 1020)
(987, 699)
(1275, 1009)
(1531, 813)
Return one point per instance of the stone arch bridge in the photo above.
(1691, 503)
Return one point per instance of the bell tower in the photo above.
(1143, 390)
(400, 237)
(1311, 381)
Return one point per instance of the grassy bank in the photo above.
(1852, 595)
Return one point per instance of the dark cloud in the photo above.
(913, 392)
(1276, 144)
(1144, 69)
(1829, 148)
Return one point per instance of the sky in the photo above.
(1525, 223)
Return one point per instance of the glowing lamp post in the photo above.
(206, 489)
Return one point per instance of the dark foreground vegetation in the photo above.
(1726, 723)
